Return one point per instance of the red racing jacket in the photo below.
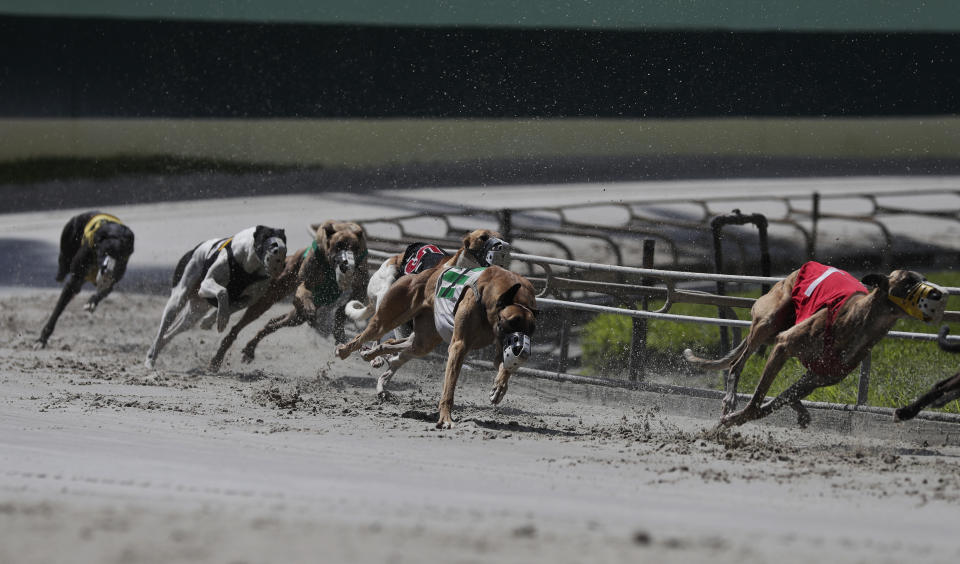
(820, 286)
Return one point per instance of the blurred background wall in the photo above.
(367, 84)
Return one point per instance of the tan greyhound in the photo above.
(471, 308)
(829, 321)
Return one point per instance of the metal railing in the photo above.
(550, 284)
(683, 233)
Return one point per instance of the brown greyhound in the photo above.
(325, 275)
(499, 306)
(480, 247)
(829, 321)
(942, 393)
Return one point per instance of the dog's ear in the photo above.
(876, 280)
(361, 235)
(313, 228)
(262, 233)
(507, 297)
(259, 236)
(466, 240)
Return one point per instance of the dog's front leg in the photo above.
(456, 352)
(499, 385)
(937, 396)
(96, 298)
(69, 291)
(210, 289)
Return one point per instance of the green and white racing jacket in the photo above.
(449, 291)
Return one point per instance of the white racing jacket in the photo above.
(449, 291)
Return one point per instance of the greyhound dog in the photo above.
(480, 247)
(500, 307)
(942, 393)
(829, 321)
(94, 247)
(322, 277)
(226, 274)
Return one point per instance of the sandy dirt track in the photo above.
(293, 458)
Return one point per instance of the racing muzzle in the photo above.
(276, 255)
(345, 265)
(516, 350)
(925, 301)
(346, 261)
(106, 273)
(495, 252)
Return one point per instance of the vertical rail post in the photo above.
(716, 225)
(638, 341)
(506, 224)
(564, 341)
(863, 384)
(815, 219)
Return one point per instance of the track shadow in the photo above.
(33, 263)
(512, 426)
(28, 262)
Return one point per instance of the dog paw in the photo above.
(900, 415)
(90, 307)
(343, 352)
(497, 393)
(150, 363)
(377, 362)
(688, 355)
(728, 404)
(247, 356)
(39, 344)
(445, 423)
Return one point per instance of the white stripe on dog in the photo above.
(813, 285)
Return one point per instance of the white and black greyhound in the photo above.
(226, 274)
(94, 247)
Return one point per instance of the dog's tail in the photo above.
(718, 364)
(182, 266)
(356, 311)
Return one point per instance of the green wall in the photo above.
(365, 143)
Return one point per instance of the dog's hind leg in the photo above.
(389, 346)
(175, 320)
(291, 319)
(71, 289)
(249, 316)
(374, 330)
(779, 354)
(762, 331)
(772, 313)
